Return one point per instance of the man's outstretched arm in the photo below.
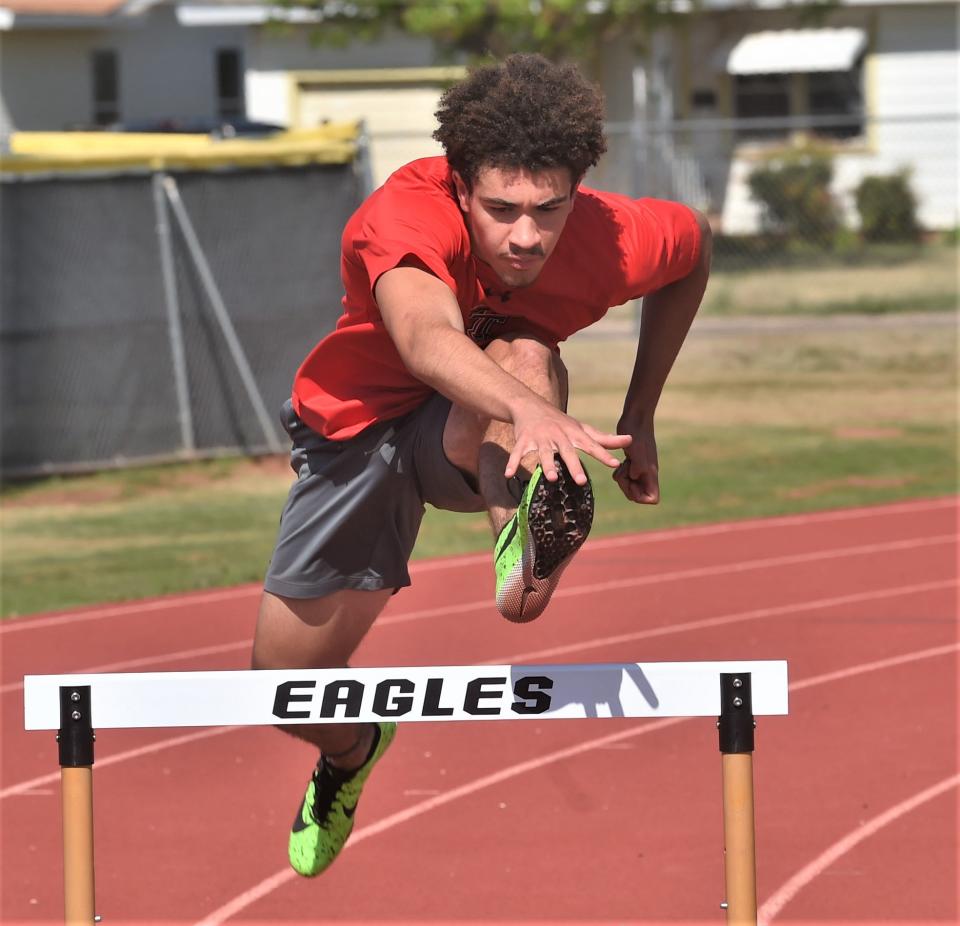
(424, 321)
(666, 318)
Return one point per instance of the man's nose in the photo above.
(525, 235)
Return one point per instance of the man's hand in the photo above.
(638, 475)
(544, 430)
(665, 320)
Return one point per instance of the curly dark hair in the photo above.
(524, 112)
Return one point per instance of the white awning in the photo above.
(792, 51)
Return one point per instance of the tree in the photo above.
(495, 28)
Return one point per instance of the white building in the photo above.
(155, 64)
(81, 63)
(876, 81)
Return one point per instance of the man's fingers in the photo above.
(601, 443)
(547, 463)
(566, 439)
(610, 441)
(599, 451)
(574, 465)
(513, 461)
(622, 479)
(651, 486)
(644, 490)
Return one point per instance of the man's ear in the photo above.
(462, 190)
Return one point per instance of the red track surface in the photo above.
(615, 821)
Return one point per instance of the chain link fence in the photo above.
(708, 163)
(150, 316)
(828, 214)
(158, 316)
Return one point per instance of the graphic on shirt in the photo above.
(484, 324)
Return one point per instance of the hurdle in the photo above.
(732, 692)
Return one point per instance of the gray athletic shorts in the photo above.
(352, 515)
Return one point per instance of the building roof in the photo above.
(86, 13)
(254, 12)
(63, 7)
(786, 51)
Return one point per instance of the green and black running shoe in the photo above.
(536, 544)
(325, 819)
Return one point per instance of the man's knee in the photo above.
(520, 350)
(313, 632)
(534, 363)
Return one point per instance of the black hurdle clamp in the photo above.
(736, 723)
(75, 735)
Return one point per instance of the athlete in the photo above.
(443, 384)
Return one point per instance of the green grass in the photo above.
(751, 425)
(66, 553)
(704, 477)
(877, 280)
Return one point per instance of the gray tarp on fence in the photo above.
(86, 363)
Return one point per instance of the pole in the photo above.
(736, 725)
(174, 328)
(222, 315)
(76, 784)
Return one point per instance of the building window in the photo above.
(229, 83)
(836, 96)
(762, 96)
(828, 104)
(106, 87)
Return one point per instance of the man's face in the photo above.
(515, 218)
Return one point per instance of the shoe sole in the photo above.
(558, 522)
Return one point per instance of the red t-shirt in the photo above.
(612, 249)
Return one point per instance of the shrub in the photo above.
(794, 189)
(888, 208)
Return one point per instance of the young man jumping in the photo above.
(443, 384)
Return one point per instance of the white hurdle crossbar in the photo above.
(733, 692)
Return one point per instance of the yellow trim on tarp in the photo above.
(380, 76)
(31, 152)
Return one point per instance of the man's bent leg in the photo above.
(481, 447)
(540, 525)
(542, 371)
(319, 633)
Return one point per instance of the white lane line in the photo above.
(572, 591)
(270, 884)
(709, 530)
(569, 591)
(784, 894)
(127, 664)
(768, 563)
(709, 622)
(586, 645)
(242, 901)
(25, 786)
(890, 662)
(27, 622)
(17, 624)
